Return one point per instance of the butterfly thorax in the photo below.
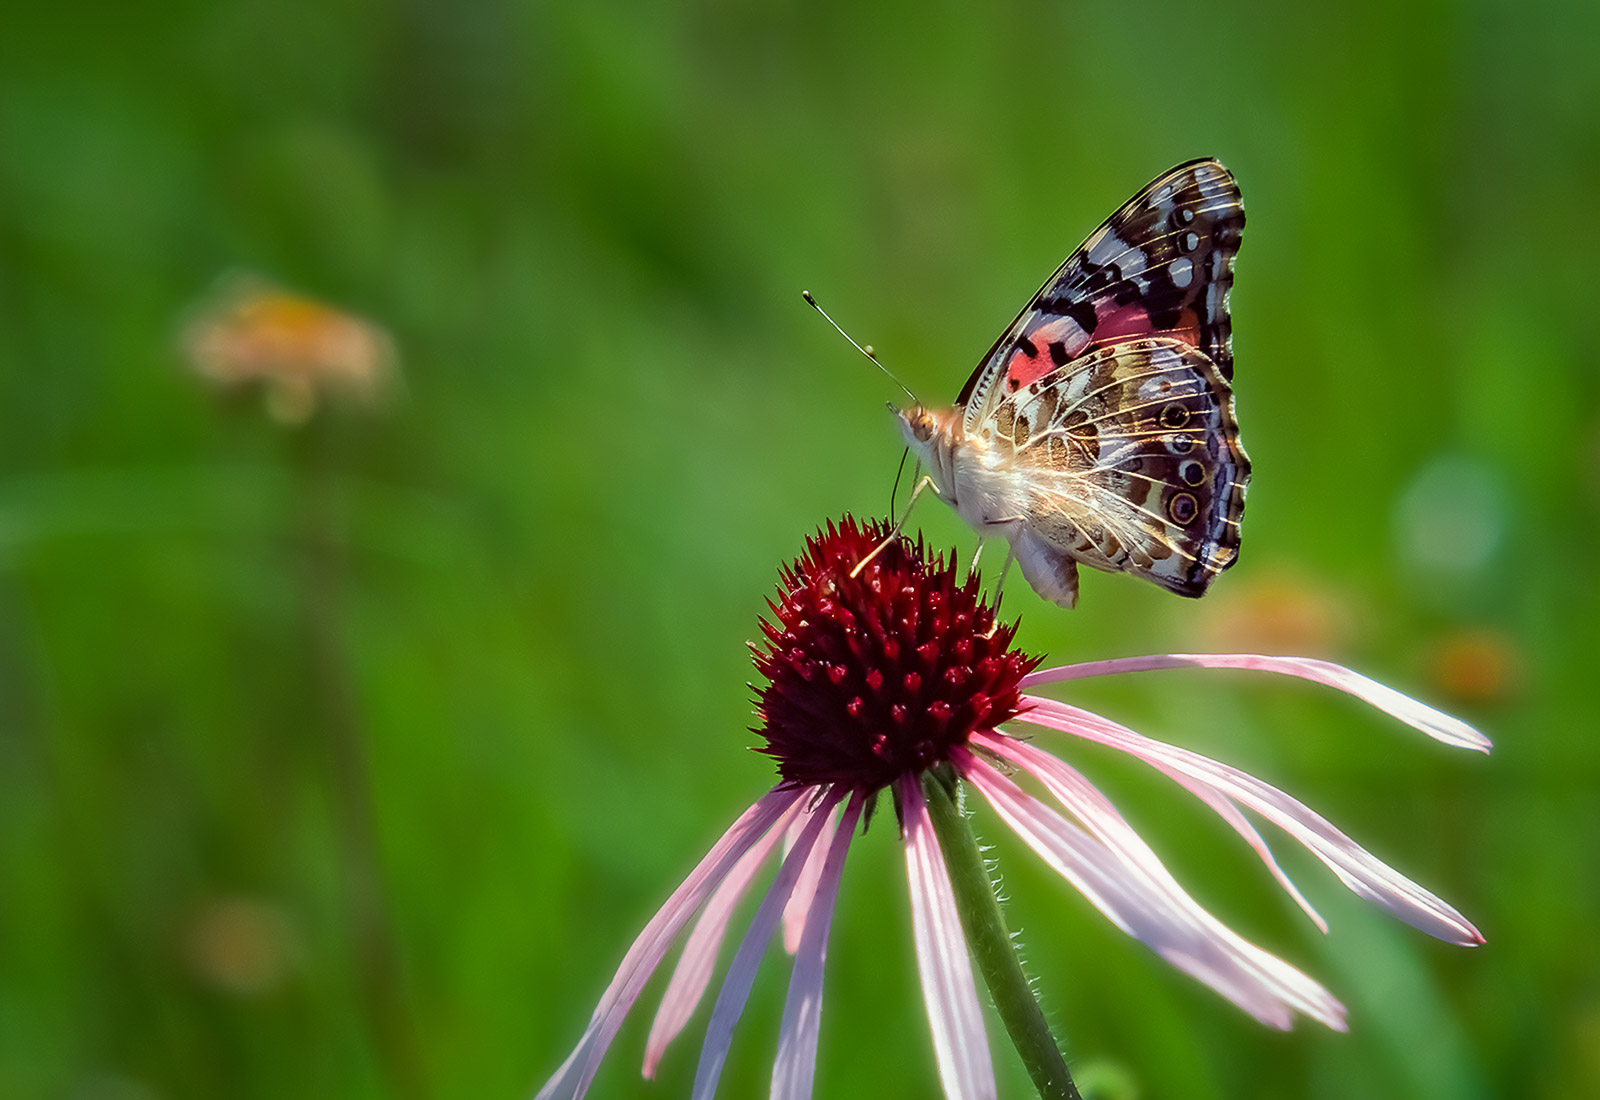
(972, 474)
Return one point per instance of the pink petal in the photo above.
(1436, 724)
(1225, 809)
(742, 971)
(794, 914)
(959, 1045)
(571, 1081)
(1122, 878)
(699, 958)
(1357, 868)
(1043, 764)
(796, 1064)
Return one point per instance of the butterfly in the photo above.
(1099, 429)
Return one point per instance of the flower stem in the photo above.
(991, 944)
(338, 708)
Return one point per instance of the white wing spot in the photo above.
(1109, 247)
(1181, 272)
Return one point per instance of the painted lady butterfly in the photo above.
(1100, 428)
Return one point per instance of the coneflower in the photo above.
(897, 676)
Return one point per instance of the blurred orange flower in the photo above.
(1283, 613)
(241, 945)
(1477, 665)
(299, 350)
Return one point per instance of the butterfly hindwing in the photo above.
(1132, 460)
(1162, 265)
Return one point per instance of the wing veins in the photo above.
(1095, 356)
(1105, 516)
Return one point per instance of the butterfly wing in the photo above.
(1131, 459)
(1160, 266)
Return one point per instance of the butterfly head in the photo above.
(929, 433)
(917, 424)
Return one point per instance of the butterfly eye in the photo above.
(1182, 508)
(1174, 416)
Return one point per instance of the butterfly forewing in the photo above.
(1162, 265)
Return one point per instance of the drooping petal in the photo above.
(794, 914)
(1435, 723)
(1038, 761)
(571, 1081)
(1361, 871)
(959, 1045)
(1224, 808)
(1129, 885)
(699, 958)
(742, 971)
(796, 1064)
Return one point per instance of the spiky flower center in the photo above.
(882, 673)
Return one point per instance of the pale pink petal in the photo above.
(959, 1045)
(1435, 723)
(794, 914)
(1122, 878)
(1357, 868)
(742, 971)
(699, 958)
(572, 1080)
(1036, 760)
(1225, 809)
(796, 1064)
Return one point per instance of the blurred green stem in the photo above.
(371, 929)
(990, 942)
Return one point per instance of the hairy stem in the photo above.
(990, 942)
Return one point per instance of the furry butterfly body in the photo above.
(1099, 429)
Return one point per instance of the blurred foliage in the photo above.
(519, 594)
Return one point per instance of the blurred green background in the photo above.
(346, 760)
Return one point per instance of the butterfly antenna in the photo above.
(867, 351)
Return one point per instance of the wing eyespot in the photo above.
(1174, 416)
(1182, 508)
(1192, 473)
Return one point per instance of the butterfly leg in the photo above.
(999, 585)
(916, 472)
(924, 482)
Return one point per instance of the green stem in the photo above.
(371, 930)
(991, 944)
